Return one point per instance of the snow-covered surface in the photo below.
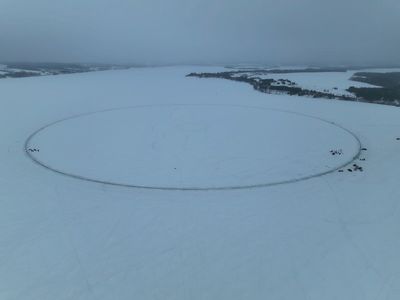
(193, 146)
(4, 70)
(335, 83)
(330, 237)
(52, 69)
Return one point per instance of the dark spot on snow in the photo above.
(355, 168)
(336, 152)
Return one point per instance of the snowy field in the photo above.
(66, 233)
(198, 147)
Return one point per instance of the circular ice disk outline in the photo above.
(354, 157)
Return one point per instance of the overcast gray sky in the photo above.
(201, 31)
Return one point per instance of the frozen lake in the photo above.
(328, 237)
(193, 147)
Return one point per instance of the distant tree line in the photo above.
(270, 86)
(386, 92)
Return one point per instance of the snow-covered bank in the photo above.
(332, 237)
(335, 83)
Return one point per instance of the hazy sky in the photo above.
(201, 31)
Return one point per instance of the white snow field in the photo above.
(332, 236)
(193, 146)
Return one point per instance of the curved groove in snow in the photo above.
(192, 187)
